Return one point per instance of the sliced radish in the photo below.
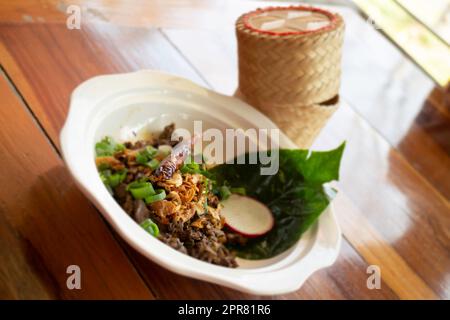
(247, 216)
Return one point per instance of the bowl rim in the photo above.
(288, 278)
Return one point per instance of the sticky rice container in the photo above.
(290, 66)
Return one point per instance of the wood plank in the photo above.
(394, 102)
(431, 131)
(46, 224)
(109, 57)
(400, 204)
(346, 279)
(203, 14)
(368, 242)
(76, 56)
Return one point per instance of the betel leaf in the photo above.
(296, 194)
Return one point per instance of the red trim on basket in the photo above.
(246, 17)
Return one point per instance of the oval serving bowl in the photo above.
(123, 105)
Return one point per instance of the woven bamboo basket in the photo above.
(290, 66)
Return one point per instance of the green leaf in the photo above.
(240, 191)
(224, 192)
(153, 164)
(323, 166)
(295, 195)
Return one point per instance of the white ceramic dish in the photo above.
(117, 105)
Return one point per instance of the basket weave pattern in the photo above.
(288, 76)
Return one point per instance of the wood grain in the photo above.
(346, 279)
(404, 209)
(204, 14)
(430, 130)
(47, 224)
(373, 247)
(76, 56)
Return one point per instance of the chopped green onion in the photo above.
(141, 158)
(117, 178)
(141, 193)
(160, 195)
(140, 190)
(103, 166)
(150, 151)
(104, 148)
(112, 180)
(240, 191)
(206, 185)
(153, 164)
(224, 192)
(110, 190)
(136, 185)
(151, 227)
(107, 147)
(145, 155)
(104, 176)
(119, 147)
(190, 168)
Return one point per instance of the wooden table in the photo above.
(395, 183)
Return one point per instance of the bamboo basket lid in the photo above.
(290, 66)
